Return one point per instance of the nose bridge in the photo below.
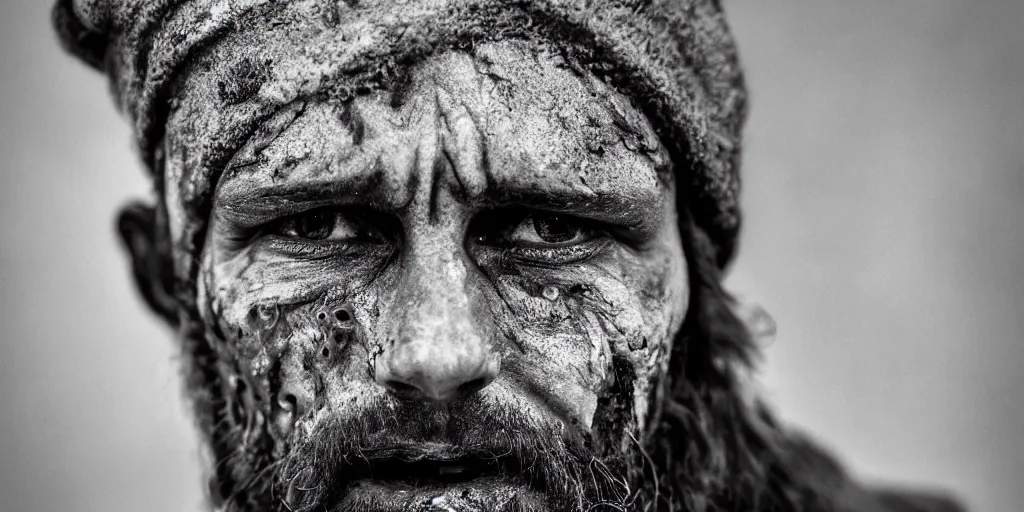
(437, 303)
(442, 346)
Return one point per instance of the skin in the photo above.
(469, 289)
(497, 229)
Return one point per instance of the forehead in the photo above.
(512, 118)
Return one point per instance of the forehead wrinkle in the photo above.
(533, 117)
(319, 150)
(443, 131)
(527, 131)
(304, 144)
(463, 146)
(394, 129)
(560, 136)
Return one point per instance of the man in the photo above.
(453, 254)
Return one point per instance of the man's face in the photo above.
(456, 294)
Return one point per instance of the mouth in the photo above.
(439, 481)
(434, 471)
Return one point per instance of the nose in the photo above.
(442, 348)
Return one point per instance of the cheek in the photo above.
(297, 346)
(567, 326)
(661, 295)
(555, 359)
(300, 338)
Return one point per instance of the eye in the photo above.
(326, 225)
(550, 230)
(531, 236)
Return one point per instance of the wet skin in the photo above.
(499, 228)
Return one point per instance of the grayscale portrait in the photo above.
(471, 255)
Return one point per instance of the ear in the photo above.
(148, 244)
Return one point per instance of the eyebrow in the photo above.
(626, 209)
(260, 203)
(248, 201)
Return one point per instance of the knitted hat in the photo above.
(675, 59)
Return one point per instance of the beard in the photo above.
(466, 455)
(469, 455)
(705, 448)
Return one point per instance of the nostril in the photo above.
(400, 387)
(470, 387)
(289, 403)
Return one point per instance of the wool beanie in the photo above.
(674, 59)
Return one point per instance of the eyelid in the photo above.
(554, 257)
(506, 220)
(369, 227)
(338, 220)
(371, 238)
(274, 210)
(583, 228)
(494, 230)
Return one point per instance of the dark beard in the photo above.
(705, 448)
(394, 454)
(390, 440)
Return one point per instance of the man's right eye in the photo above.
(325, 225)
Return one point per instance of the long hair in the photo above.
(711, 445)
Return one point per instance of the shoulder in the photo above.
(914, 501)
(820, 469)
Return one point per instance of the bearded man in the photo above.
(453, 255)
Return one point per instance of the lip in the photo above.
(429, 471)
(436, 477)
(475, 494)
(428, 464)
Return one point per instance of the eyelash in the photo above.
(505, 221)
(373, 234)
(501, 222)
(311, 248)
(554, 255)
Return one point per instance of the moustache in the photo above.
(420, 445)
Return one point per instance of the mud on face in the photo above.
(497, 233)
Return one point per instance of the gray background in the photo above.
(884, 171)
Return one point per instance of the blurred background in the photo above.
(884, 231)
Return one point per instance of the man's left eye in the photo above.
(550, 230)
